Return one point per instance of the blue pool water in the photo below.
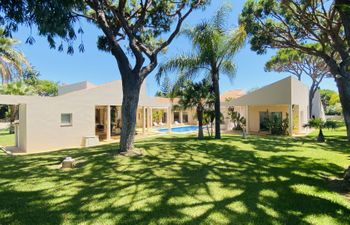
(179, 129)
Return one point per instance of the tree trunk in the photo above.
(131, 92)
(310, 104)
(312, 92)
(343, 84)
(320, 137)
(215, 80)
(200, 122)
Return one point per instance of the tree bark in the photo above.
(312, 92)
(131, 92)
(343, 84)
(200, 122)
(320, 137)
(215, 80)
(310, 102)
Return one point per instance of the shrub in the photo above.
(277, 125)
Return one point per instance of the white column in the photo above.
(151, 117)
(247, 119)
(108, 121)
(290, 114)
(168, 119)
(143, 119)
(181, 114)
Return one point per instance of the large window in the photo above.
(66, 119)
(263, 121)
(176, 117)
(276, 115)
(185, 117)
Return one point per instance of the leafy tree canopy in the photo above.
(331, 102)
(296, 62)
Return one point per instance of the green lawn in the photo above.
(6, 139)
(179, 180)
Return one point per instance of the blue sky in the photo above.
(100, 67)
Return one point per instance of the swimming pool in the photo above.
(180, 129)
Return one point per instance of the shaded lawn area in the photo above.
(6, 139)
(179, 180)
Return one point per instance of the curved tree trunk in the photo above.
(310, 103)
(343, 84)
(215, 80)
(312, 92)
(131, 92)
(200, 122)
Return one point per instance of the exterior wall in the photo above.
(192, 120)
(74, 87)
(254, 118)
(139, 117)
(300, 97)
(45, 131)
(227, 119)
(277, 93)
(317, 107)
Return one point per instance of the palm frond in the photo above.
(220, 17)
(228, 68)
(183, 63)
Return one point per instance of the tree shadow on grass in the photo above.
(178, 181)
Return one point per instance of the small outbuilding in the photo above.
(286, 97)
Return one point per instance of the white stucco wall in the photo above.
(300, 97)
(317, 106)
(45, 131)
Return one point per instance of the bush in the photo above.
(333, 124)
(277, 125)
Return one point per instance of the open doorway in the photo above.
(103, 123)
(9, 127)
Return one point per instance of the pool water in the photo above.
(179, 129)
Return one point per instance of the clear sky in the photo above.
(100, 67)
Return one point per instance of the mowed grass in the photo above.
(179, 180)
(6, 139)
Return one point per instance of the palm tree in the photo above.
(17, 88)
(214, 49)
(12, 61)
(196, 95)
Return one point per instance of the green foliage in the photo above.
(298, 63)
(165, 88)
(17, 88)
(331, 102)
(277, 125)
(236, 118)
(60, 19)
(323, 25)
(178, 179)
(214, 49)
(208, 120)
(42, 87)
(333, 124)
(157, 116)
(46, 88)
(12, 61)
(195, 95)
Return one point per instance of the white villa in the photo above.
(83, 114)
(286, 97)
